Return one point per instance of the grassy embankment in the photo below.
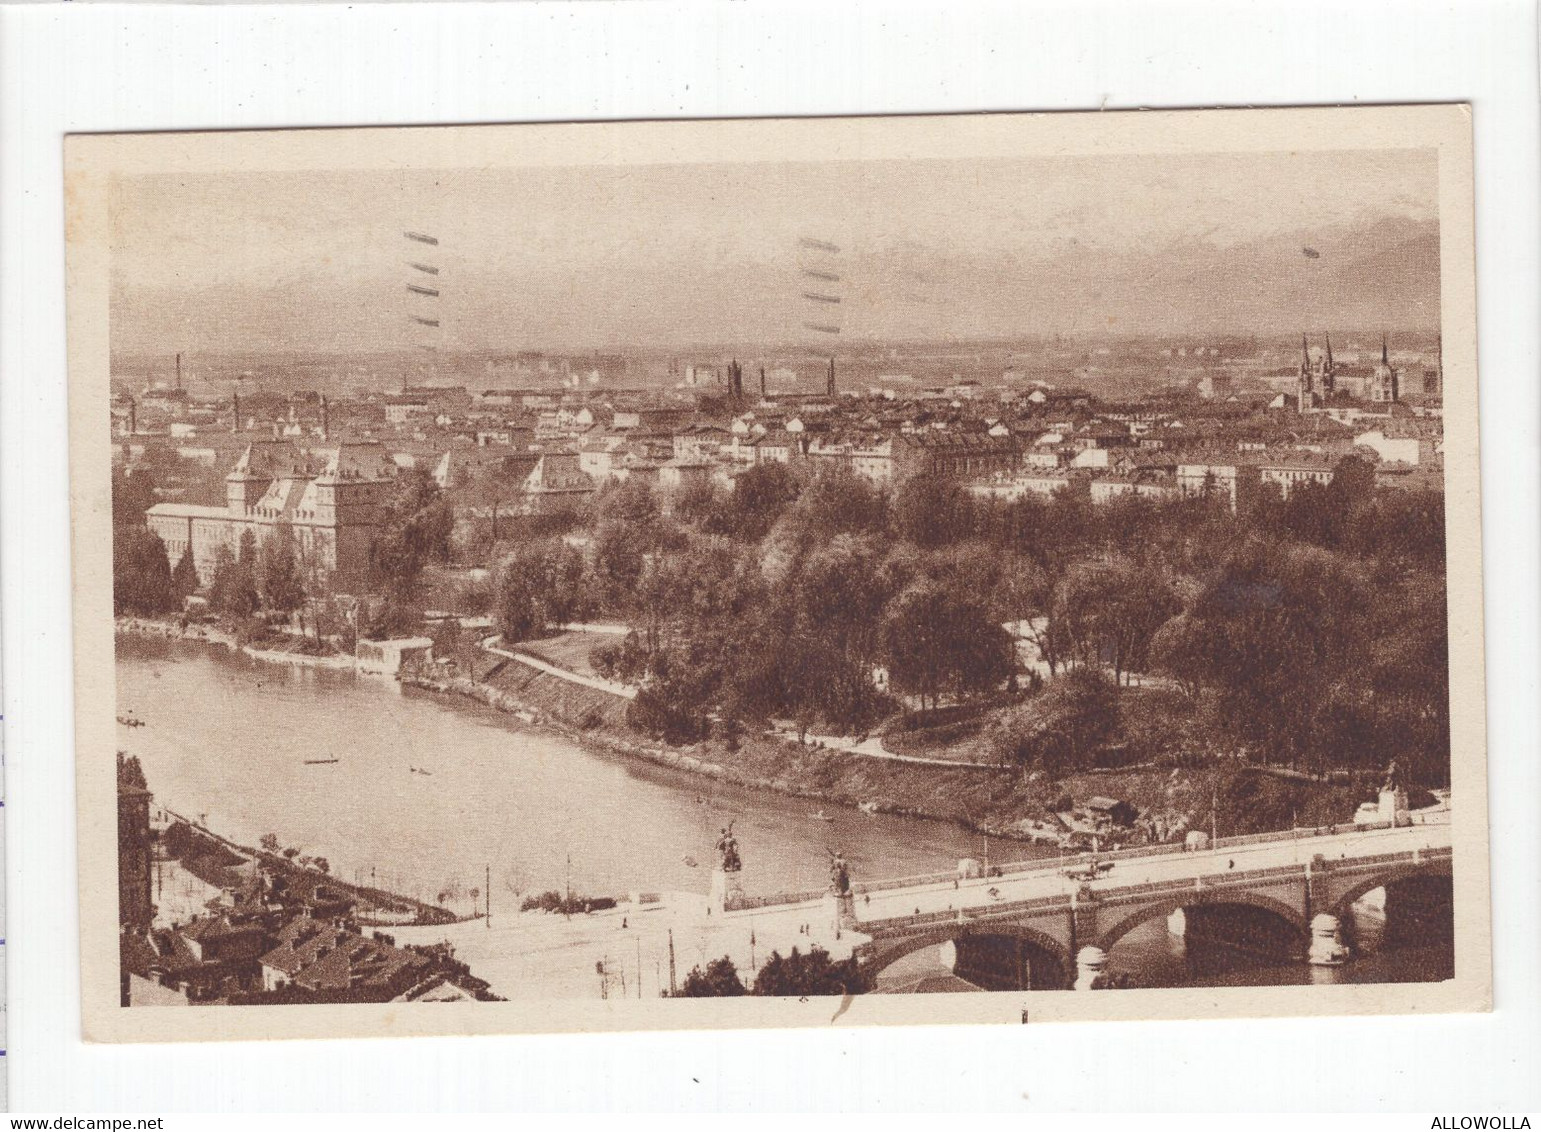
(1252, 800)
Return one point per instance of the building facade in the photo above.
(329, 499)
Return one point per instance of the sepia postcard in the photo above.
(715, 574)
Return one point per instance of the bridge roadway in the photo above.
(1131, 869)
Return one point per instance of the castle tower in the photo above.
(248, 481)
(829, 382)
(1329, 370)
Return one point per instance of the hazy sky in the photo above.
(601, 257)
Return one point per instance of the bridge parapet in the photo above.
(750, 903)
(1072, 860)
(902, 925)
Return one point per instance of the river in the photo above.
(226, 739)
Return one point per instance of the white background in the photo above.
(137, 67)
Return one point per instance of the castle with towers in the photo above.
(328, 498)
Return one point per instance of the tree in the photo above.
(797, 975)
(415, 529)
(1108, 612)
(719, 980)
(542, 586)
(931, 511)
(133, 493)
(1061, 729)
(141, 576)
(269, 843)
(233, 589)
(838, 502)
(936, 641)
(1281, 624)
(674, 701)
(760, 496)
(283, 587)
(184, 577)
(1180, 649)
(618, 563)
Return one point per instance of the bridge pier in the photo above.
(1091, 963)
(1327, 946)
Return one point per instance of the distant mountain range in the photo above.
(1379, 272)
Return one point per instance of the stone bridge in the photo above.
(1029, 928)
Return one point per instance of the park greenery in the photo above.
(1307, 633)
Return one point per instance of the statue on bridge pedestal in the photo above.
(1393, 776)
(839, 873)
(727, 847)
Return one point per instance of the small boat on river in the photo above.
(321, 762)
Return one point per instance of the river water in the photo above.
(226, 739)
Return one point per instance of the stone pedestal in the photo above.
(1090, 965)
(1327, 946)
(969, 869)
(1393, 806)
(840, 908)
(727, 890)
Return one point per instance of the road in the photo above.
(1052, 881)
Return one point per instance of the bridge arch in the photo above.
(1211, 898)
(1048, 956)
(1436, 868)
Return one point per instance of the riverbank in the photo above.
(209, 634)
(998, 802)
(226, 865)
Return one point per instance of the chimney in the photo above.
(179, 370)
(235, 415)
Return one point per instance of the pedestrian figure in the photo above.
(1232, 865)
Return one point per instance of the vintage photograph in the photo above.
(546, 577)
